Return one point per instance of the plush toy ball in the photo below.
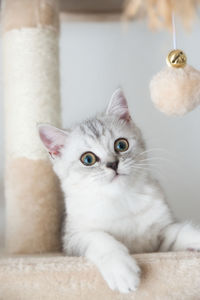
(176, 89)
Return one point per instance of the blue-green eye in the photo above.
(88, 158)
(121, 145)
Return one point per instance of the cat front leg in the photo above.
(112, 258)
(180, 237)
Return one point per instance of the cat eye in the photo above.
(88, 158)
(121, 145)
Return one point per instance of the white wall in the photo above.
(98, 57)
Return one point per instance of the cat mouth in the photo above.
(116, 176)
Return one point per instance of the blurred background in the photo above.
(96, 58)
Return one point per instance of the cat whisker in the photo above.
(99, 176)
(156, 158)
(145, 162)
(150, 167)
(151, 150)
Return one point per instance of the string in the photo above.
(174, 31)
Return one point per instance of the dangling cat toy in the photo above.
(176, 89)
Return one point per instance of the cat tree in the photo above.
(31, 95)
(30, 31)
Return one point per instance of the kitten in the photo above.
(114, 207)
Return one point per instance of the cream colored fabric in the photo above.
(34, 207)
(165, 276)
(31, 89)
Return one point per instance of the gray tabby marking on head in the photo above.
(93, 127)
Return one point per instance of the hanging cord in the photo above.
(174, 31)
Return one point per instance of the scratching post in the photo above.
(31, 95)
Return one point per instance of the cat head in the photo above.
(104, 149)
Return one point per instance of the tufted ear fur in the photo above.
(118, 106)
(52, 138)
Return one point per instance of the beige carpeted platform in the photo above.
(55, 277)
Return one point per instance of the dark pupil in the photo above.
(121, 146)
(88, 159)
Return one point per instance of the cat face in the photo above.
(104, 149)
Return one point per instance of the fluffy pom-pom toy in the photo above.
(176, 90)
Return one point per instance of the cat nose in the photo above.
(113, 165)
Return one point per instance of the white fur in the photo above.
(109, 217)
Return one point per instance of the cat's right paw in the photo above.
(121, 273)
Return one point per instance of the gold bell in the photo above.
(176, 59)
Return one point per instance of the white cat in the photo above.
(114, 207)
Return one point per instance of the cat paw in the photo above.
(121, 273)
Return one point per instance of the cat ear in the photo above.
(52, 138)
(118, 106)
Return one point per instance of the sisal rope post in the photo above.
(31, 94)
